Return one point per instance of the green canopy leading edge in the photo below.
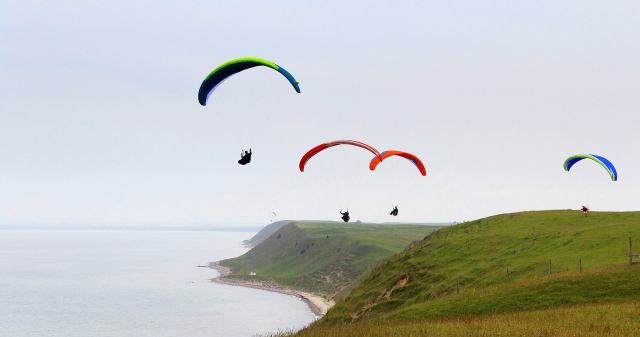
(229, 68)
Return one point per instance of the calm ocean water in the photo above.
(105, 283)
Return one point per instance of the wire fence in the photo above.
(549, 268)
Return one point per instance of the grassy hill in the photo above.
(603, 320)
(266, 232)
(322, 257)
(493, 275)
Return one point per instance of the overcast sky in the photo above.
(99, 119)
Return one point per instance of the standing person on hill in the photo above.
(585, 210)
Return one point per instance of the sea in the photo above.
(132, 283)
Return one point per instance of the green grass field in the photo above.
(323, 257)
(603, 320)
(491, 277)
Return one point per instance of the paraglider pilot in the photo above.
(245, 157)
(345, 216)
(394, 211)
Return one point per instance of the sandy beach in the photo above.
(318, 304)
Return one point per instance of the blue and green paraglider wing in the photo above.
(604, 162)
(229, 68)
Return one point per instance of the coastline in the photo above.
(317, 304)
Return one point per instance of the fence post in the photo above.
(581, 265)
(630, 252)
(508, 274)
(457, 286)
(549, 266)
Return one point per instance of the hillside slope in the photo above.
(266, 232)
(602, 320)
(322, 257)
(501, 264)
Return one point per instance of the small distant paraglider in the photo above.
(604, 162)
(245, 157)
(394, 211)
(585, 210)
(345, 216)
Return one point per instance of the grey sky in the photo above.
(99, 120)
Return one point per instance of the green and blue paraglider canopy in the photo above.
(604, 162)
(229, 68)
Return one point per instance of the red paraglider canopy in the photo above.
(416, 161)
(324, 146)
